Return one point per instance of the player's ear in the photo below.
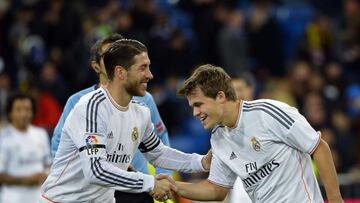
(95, 66)
(120, 72)
(221, 97)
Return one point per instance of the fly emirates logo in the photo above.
(119, 156)
(260, 174)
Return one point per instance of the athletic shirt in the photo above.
(97, 145)
(269, 149)
(23, 154)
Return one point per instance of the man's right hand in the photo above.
(163, 187)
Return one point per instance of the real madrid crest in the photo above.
(255, 144)
(134, 134)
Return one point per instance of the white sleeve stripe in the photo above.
(150, 138)
(144, 149)
(136, 182)
(317, 143)
(111, 180)
(151, 141)
(155, 142)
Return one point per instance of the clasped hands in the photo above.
(164, 188)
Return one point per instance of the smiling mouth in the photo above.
(202, 119)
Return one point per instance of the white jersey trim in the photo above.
(317, 143)
(219, 184)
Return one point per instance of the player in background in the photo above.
(24, 152)
(102, 132)
(265, 142)
(139, 162)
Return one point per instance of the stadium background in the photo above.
(305, 53)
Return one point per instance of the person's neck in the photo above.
(103, 82)
(231, 113)
(19, 127)
(119, 95)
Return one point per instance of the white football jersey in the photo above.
(23, 154)
(97, 145)
(269, 149)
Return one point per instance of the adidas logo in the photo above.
(110, 135)
(233, 156)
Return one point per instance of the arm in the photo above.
(169, 158)
(325, 164)
(160, 128)
(55, 140)
(35, 179)
(202, 191)
(165, 157)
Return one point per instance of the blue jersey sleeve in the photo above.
(55, 139)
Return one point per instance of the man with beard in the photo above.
(103, 131)
(139, 163)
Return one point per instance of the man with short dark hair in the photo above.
(24, 152)
(103, 131)
(265, 142)
(139, 162)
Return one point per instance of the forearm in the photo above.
(325, 164)
(169, 158)
(99, 172)
(202, 191)
(13, 180)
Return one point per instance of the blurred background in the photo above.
(304, 53)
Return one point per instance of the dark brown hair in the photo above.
(122, 53)
(210, 79)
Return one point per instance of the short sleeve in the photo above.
(287, 125)
(221, 174)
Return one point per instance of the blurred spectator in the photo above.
(353, 97)
(319, 44)
(298, 76)
(244, 85)
(336, 82)
(344, 140)
(4, 93)
(172, 105)
(350, 36)
(24, 153)
(172, 57)
(208, 16)
(314, 110)
(48, 109)
(265, 39)
(232, 42)
(51, 80)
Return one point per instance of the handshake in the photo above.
(164, 188)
